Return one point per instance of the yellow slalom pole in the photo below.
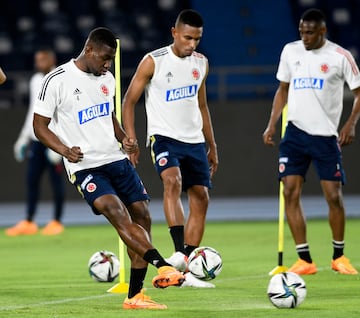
(280, 268)
(122, 287)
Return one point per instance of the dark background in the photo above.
(247, 167)
(242, 39)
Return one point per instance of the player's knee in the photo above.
(173, 182)
(334, 198)
(200, 194)
(291, 193)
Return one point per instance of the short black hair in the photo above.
(190, 17)
(315, 15)
(101, 36)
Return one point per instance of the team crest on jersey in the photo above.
(104, 89)
(195, 74)
(324, 68)
(91, 187)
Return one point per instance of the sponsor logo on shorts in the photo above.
(283, 159)
(181, 92)
(281, 167)
(308, 82)
(86, 181)
(93, 112)
(161, 155)
(163, 162)
(91, 187)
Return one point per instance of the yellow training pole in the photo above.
(281, 268)
(122, 287)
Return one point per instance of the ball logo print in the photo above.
(286, 290)
(205, 263)
(103, 266)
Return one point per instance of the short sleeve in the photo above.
(46, 101)
(283, 72)
(350, 69)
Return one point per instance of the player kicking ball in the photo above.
(77, 97)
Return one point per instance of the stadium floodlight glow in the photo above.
(280, 268)
(122, 287)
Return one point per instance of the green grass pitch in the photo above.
(47, 276)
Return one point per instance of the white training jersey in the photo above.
(171, 96)
(81, 105)
(316, 78)
(34, 88)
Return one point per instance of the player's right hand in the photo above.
(74, 154)
(268, 136)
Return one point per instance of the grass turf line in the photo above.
(47, 276)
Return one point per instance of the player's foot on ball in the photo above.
(22, 228)
(302, 267)
(142, 301)
(192, 281)
(342, 265)
(53, 228)
(168, 276)
(178, 260)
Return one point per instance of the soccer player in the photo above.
(179, 126)
(2, 76)
(78, 97)
(312, 72)
(40, 159)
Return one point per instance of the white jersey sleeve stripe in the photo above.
(46, 82)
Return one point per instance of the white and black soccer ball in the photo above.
(104, 266)
(286, 290)
(205, 263)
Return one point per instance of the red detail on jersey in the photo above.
(324, 68)
(350, 59)
(91, 187)
(195, 73)
(104, 90)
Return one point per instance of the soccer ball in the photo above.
(103, 266)
(286, 290)
(205, 263)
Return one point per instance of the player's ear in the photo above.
(173, 32)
